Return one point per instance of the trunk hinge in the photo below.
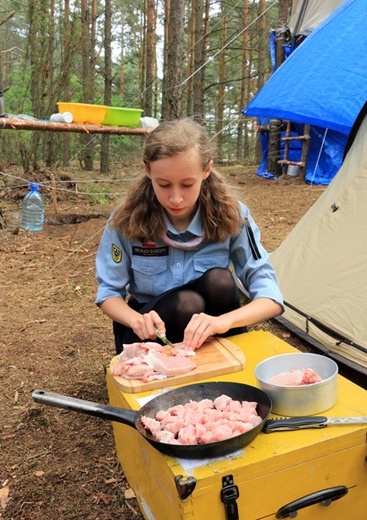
(228, 495)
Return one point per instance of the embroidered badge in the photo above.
(150, 251)
(116, 254)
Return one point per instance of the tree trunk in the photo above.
(261, 60)
(189, 108)
(172, 96)
(50, 150)
(87, 77)
(244, 89)
(205, 51)
(282, 31)
(198, 62)
(167, 8)
(105, 144)
(150, 58)
(275, 126)
(221, 82)
(261, 46)
(2, 86)
(64, 80)
(6, 145)
(122, 51)
(36, 18)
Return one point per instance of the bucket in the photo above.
(292, 170)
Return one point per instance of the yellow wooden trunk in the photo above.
(274, 470)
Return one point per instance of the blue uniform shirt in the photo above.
(148, 269)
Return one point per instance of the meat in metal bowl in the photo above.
(307, 399)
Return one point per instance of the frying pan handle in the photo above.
(294, 423)
(103, 411)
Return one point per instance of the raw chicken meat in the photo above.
(304, 376)
(202, 422)
(149, 361)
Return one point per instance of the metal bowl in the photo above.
(299, 400)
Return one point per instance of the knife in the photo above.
(164, 339)
(303, 422)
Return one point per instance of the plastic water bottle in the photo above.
(33, 209)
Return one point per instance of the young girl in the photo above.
(172, 247)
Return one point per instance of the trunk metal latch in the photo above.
(185, 486)
(228, 495)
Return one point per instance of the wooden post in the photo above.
(53, 192)
(272, 165)
(286, 147)
(275, 125)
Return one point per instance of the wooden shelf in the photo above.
(16, 123)
(305, 139)
(293, 163)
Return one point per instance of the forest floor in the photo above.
(54, 463)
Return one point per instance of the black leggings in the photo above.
(214, 293)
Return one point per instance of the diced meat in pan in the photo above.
(205, 421)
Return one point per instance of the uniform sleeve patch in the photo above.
(116, 254)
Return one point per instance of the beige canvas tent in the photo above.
(307, 15)
(322, 263)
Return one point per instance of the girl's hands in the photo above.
(198, 330)
(146, 324)
(201, 327)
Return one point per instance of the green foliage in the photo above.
(124, 146)
(97, 194)
(131, 97)
(44, 62)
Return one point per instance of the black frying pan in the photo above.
(181, 395)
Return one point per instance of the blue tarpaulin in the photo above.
(322, 83)
(325, 154)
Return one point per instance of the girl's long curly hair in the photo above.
(140, 216)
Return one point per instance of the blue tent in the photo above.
(323, 82)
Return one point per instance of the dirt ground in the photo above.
(54, 463)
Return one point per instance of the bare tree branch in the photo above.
(7, 17)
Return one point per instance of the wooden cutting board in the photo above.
(216, 357)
